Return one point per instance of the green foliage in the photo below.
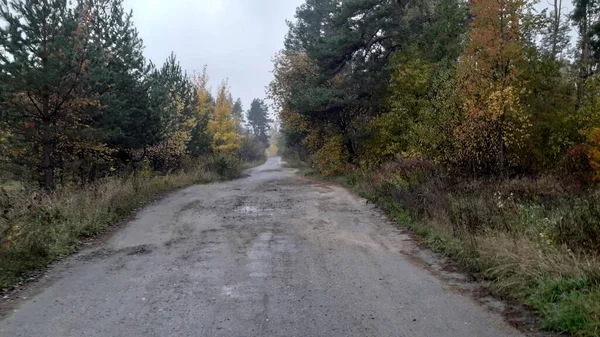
(579, 228)
(79, 102)
(456, 117)
(225, 166)
(87, 118)
(258, 121)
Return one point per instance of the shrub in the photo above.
(593, 152)
(331, 159)
(225, 166)
(579, 228)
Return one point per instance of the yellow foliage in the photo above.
(505, 105)
(226, 140)
(331, 158)
(594, 151)
(203, 93)
(386, 139)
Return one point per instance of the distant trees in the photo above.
(78, 100)
(258, 121)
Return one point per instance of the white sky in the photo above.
(236, 39)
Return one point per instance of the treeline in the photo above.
(79, 101)
(484, 87)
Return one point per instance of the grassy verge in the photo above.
(535, 240)
(37, 228)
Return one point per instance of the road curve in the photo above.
(273, 254)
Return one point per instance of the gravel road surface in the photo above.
(272, 254)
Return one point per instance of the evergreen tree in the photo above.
(120, 74)
(238, 115)
(45, 84)
(174, 100)
(258, 121)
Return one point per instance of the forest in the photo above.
(91, 130)
(474, 123)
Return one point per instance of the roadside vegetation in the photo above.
(90, 130)
(475, 124)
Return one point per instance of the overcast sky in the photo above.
(236, 39)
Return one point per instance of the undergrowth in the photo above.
(37, 228)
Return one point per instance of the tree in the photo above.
(173, 99)
(201, 139)
(120, 75)
(350, 44)
(585, 16)
(555, 36)
(238, 115)
(495, 123)
(223, 128)
(45, 70)
(258, 121)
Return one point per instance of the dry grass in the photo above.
(37, 228)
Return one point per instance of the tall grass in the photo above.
(37, 227)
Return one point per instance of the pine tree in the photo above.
(120, 74)
(238, 115)
(45, 88)
(173, 99)
(258, 121)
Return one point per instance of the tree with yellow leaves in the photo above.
(201, 140)
(226, 140)
(495, 124)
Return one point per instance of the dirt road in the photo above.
(272, 254)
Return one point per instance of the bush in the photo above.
(579, 228)
(225, 166)
(332, 159)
